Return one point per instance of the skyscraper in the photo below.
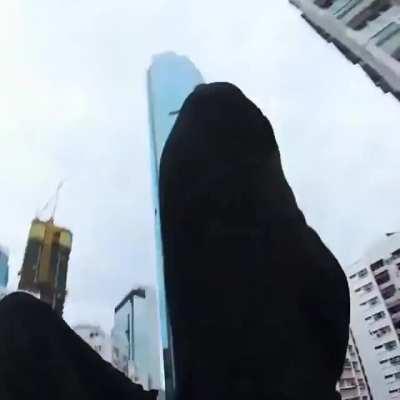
(170, 79)
(375, 300)
(367, 32)
(135, 338)
(45, 266)
(3, 267)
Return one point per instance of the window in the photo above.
(395, 309)
(396, 253)
(355, 366)
(349, 6)
(352, 276)
(382, 278)
(388, 40)
(379, 315)
(395, 360)
(362, 273)
(389, 346)
(323, 3)
(370, 13)
(388, 292)
(377, 265)
(374, 301)
(365, 288)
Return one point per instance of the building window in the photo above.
(362, 273)
(374, 301)
(396, 253)
(379, 315)
(355, 366)
(382, 278)
(377, 265)
(395, 309)
(388, 40)
(388, 292)
(349, 6)
(395, 360)
(370, 13)
(323, 3)
(389, 346)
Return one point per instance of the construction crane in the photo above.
(53, 199)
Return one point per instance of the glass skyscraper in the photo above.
(3, 267)
(170, 79)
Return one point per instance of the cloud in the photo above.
(73, 105)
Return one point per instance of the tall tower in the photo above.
(374, 283)
(170, 79)
(3, 267)
(45, 266)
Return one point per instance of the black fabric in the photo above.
(42, 358)
(259, 306)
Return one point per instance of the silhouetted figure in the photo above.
(259, 306)
(41, 358)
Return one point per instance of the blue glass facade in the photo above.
(170, 79)
(3, 267)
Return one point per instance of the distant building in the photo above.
(170, 79)
(375, 300)
(136, 338)
(95, 337)
(4, 268)
(45, 266)
(367, 32)
(353, 383)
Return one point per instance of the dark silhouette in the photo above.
(42, 358)
(259, 306)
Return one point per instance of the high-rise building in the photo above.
(375, 318)
(170, 79)
(4, 268)
(45, 266)
(136, 338)
(367, 32)
(353, 383)
(96, 338)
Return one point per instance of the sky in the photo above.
(73, 106)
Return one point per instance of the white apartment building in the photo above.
(95, 337)
(353, 384)
(367, 32)
(375, 301)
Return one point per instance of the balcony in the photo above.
(348, 393)
(395, 317)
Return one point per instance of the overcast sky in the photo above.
(73, 105)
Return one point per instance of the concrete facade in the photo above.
(353, 384)
(375, 300)
(367, 32)
(95, 337)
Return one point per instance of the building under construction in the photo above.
(45, 266)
